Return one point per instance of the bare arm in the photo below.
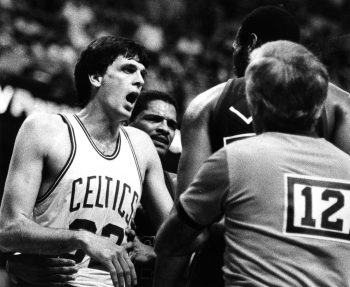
(175, 236)
(18, 231)
(25, 176)
(196, 145)
(155, 196)
(169, 270)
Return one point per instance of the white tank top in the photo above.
(94, 192)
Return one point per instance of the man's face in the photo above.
(158, 120)
(240, 58)
(120, 86)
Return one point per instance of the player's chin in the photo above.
(161, 149)
(126, 112)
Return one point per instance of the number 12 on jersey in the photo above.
(317, 207)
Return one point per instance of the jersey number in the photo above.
(308, 220)
(317, 207)
(89, 225)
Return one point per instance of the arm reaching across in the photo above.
(195, 140)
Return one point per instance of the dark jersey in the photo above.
(231, 115)
(231, 119)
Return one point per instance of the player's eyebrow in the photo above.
(151, 116)
(133, 67)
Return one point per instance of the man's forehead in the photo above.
(158, 106)
(121, 60)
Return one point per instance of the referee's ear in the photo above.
(253, 42)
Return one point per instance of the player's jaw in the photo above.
(161, 142)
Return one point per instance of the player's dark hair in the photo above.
(269, 23)
(96, 58)
(287, 85)
(148, 96)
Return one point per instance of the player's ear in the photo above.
(95, 80)
(253, 40)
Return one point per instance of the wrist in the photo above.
(82, 239)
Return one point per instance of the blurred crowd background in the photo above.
(189, 40)
(190, 43)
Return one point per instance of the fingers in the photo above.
(50, 280)
(122, 270)
(60, 266)
(57, 280)
(131, 267)
(55, 262)
(116, 272)
(62, 270)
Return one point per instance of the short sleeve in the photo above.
(204, 200)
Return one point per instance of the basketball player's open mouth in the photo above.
(132, 97)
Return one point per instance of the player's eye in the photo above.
(129, 69)
(154, 119)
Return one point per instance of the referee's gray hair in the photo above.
(288, 80)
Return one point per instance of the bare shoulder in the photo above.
(137, 136)
(202, 105)
(142, 145)
(42, 127)
(42, 137)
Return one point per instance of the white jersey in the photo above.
(94, 192)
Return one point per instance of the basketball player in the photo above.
(283, 193)
(220, 115)
(155, 113)
(75, 181)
